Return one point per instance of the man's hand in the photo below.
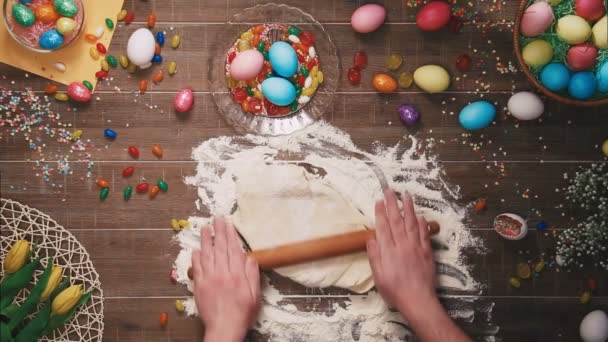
(226, 284)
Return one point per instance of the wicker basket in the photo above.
(516, 42)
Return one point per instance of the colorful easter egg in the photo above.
(247, 65)
(23, 15)
(432, 78)
(140, 48)
(602, 78)
(536, 19)
(283, 59)
(65, 25)
(591, 10)
(537, 53)
(525, 106)
(581, 57)
(279, 91)
(368, 18)
(573, 29)
(555, 76)
(184, 100)
(600, 33)
(66, 8)
(50, 40)
(78, 92)
(46, 13)
(433, 16)
(477, 115)
(582, 85)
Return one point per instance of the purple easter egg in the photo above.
(78, 92)
(409, 115)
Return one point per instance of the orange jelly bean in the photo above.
(158, 77)
(151, 20)
(164, 319)
(157, 151)
(50, 89)
(143, 86)
(91, 38)
(154, 191)
(255, 41)
(258, 29)
(157, 49)
(102, 183)
(245, 106)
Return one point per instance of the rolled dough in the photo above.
(283, 203)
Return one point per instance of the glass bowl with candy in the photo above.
(273, 71)
(44, 25)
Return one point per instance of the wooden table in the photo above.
(518, 167)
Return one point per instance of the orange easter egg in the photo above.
(384, 83)
(46, 13)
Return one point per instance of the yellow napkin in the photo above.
(79, 64)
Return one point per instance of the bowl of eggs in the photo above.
(274, 70)
(562, 47)
(44, 25)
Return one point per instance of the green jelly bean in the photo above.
(162, 185)
(304, 71)
(299, 92)
(127, 192)
(294, 30)
(104, 193)
(265, 54)
(32, 299)
(88, 84)
(261, 46)
(109, 23)
(293, 106)
(23, 15)
(269, 75)
(112, 61)
(249, 90)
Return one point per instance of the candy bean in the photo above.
(124, 61)
(104, 193)
(294, 106)
(88, 84)
(129, 18)
(515, 282)
(157, 59)
(101, 48)
(294, 39)
(308, 92)
(110, 133)
(143, 86)
(183, 223)
(121, 15)
(128, 171)
(162, 185)
(104, 65)
(173, 276)
(247, 35)
(172, 68)
(132, 68)
(133, 152)
(160, 38)
(158, 77)
(243, 45)
(308, 82)
(142, 188)
(314, 71)
(157, 49)
(249, 91)
(61, 97)
(293, 30)
(94, 53)
(91, 38)
(99, 32)
(164, 319)
(258, 29)
(102, 183)
(59, 66)
(154, 191)
(151, 20)
(50, 89)
(303, 99)
(127, 192)
(585, 297)
(175, 40)
(265, 54)
(76, 135)
(109, 23)
(179, 306)
(257, 93)
(101, 74)
(304, 71)
(112, 61)
(157, 151)
(175, 225)
(312, 52)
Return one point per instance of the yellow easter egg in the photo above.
(65, 25)
(537, 53)
(573, 29)
(432, 78)
(605, 148)
(600, 33)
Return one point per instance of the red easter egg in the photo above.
(434, 16)
(581, 57)
(591, 10)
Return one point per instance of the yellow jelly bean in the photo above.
(104, 65)
(132, 68)
(314, 71)
(76, 134)
(247, 35)
(243, 45)
(124, 61)
(231, 82)
(179, 305)
(183, 223)
(94, 53)
(175, 225)
(585, 297)
(61, 97)
(308, 91)
(121, 15)
(320, 77)
(175, 40)
(315, 83)
(172, 68)
(257, 93)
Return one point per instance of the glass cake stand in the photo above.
(245, 122)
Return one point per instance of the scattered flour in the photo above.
(330, 152)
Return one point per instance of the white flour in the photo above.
(331, 152)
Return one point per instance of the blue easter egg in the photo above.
(477, 115)
(582, 85)
(279, 91)
(283, 59)
(602, 78)
(50, 40)
(110, 133)
(555, 76)
(160, 38)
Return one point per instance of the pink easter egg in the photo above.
(581, 57)
(183, 100)
(247, 65)
(536, 19)
(368, 18)
(78, 92)
(591, 10)
(434, 16)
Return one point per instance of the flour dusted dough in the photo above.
(283, 203)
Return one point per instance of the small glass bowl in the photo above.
(245, 122)
(16, 30)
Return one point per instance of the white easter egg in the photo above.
(594, 327)
(526, 106)
(140, 48)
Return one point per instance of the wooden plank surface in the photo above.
(518, 167)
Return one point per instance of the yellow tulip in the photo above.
(65, 301)
(51, 285)
(17, 256)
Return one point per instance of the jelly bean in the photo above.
(109, 23)
(360, 60)
(246, 35)
(104, 193)
(180, 306)
(112, 61)
(175, 225)
(61, 97)
(260, 46)
(110, 133)
(132, 68)
(315, 83)
(294, 106)
(258, 29)
(76, 135)
(162, 185)
(59, 66)
(405, 79)
(158, 77)
(133, 152)
(515, 282)
(101, 74)
(91, 38)
(463, 63)
(173, 276)
(231, 56)
(308, 92)
(164, 319)
(172, 68)
(539, 266)
(304, 71)
(157, 151)
(23, 15)
(175, 40)
(101, 48)
(143, 86)
(104, 65)
(245, 106)
(66, 8)
(354, 75)
(50, 89)
(541, 226)
(255, 41)
(142, 188)
(121, 15)
(88, 84)
(129, 18)
(154, 191)
(523, 270)
(157, 59)
(183, 223)
(128, 171)
(480, 205)
(258, 94)
(124, 61)
(239, 95)
(255, 105)
(157, 49)
(266, 56)
(160, 38)
(585, 297)
(65, 26)
(151, 21)
(394, 61)
(99, 32)
(94, 53)
(312, 52)
(243, 45)
(102, 183)
(293, 38)
(127, 192)
(314, 71)
(307, 38)
(293, 30)
(249, 91)
(308, 82)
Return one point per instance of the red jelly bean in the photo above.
(272, 109)
(128, 172)
(101, 48)
(354, 75)
(463, 63)
(142, 187)
(301, 58)
(306, 38)
(239, 95)
(255, 105)
(360, 60)
(231, 56)
(312, 64)
(129, 18)
(455, 24)
(101, 74)
(301, 80)
(133, 151)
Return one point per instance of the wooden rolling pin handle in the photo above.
(322, 248)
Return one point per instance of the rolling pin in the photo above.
(317, 249)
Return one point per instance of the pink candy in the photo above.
(78, 92)
(183, 100)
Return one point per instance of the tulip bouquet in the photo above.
(58, 300)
